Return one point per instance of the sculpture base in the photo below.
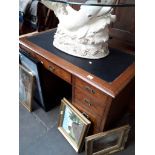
(80, 47)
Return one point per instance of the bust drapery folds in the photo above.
(83, 33)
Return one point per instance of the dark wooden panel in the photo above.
(124, 27)
(120, 104)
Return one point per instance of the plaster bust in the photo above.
(82, 33)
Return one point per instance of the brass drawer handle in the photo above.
(89, 89)
(51, 68)
(87, 101)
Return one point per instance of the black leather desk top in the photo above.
(107, 68)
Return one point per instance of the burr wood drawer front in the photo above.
(94, 105)
(87, 88)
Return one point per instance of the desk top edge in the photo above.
(111, 89)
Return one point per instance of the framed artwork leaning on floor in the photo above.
(73, 125)
(107, 142)
(26, 84)
(33, 65)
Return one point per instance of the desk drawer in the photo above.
(87, 88)
(94, 105)
(56, 70)
(52, 67)
(95, 119)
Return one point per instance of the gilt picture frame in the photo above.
(73, 125)
(108, 142)
(26, 85)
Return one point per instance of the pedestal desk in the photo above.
(101, 89)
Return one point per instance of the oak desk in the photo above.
(101, 89)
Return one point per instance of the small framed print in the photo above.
(107, 142)
(73, 125)
(26, 82)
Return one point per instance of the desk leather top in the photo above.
(107, 68)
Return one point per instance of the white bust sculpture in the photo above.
(82, 33)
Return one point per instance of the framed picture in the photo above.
(73, 125)
(107, 142)
(33, 65)
(26, 82)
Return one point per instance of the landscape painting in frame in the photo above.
(26, 81)
(107, 142)
(73, 125)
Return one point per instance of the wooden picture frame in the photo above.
(107, 142)
(26, 84)
(73, 125)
